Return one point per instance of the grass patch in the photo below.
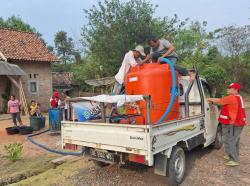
(60, 174)
(16, 171)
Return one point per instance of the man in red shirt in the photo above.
(232, 118)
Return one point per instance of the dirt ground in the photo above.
(204, 166)
(29, 149)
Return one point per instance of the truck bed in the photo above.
(146, 140)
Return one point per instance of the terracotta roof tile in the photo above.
(17, 45)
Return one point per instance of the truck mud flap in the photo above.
(160, 164)
(195, 141)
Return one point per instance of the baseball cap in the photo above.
(140, 49)
(234, 85)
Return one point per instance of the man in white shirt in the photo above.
(131, 59)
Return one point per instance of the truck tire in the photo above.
(100, 164)
(176, 166)
(218, 139)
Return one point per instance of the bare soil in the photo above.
(204, 166)
(30, 150)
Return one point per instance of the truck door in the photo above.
(211, 114)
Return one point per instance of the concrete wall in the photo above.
(39, 73)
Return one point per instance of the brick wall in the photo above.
(39, 73)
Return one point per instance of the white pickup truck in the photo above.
(161, 146)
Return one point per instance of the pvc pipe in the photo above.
(173, 89)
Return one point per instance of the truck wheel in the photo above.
(218, 139)
(100, 164)
(176, 166)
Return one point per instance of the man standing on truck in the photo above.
(232, 118)
(131, 59)
(162, 48)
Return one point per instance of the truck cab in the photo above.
(211, 111)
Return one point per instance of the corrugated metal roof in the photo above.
(63, 79)
(100, 82)
(10, 69)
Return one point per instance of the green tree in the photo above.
(115, 27)
(235, 43)
(90, 69)
(50, 48)
(213, 55)
(191, 39)
(64, 47)
(216, 76)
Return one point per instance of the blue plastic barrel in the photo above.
(55, 118)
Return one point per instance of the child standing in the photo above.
(14, 108)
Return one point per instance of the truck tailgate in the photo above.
(117, 137)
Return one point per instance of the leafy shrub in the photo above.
(13, 151)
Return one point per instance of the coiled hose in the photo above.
(173, 89)
(29, 137)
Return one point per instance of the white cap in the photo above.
(140, 49)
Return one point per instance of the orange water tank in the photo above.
(152, 79)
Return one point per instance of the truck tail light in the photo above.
(136, 158)
(69, 146)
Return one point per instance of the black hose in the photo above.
(29, 137)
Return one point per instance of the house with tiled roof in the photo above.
(27, 51)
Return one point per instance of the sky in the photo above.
(51, 16)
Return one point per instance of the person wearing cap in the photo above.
(131, 59)
(55, 101)
(232, 119)
(162, 48)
